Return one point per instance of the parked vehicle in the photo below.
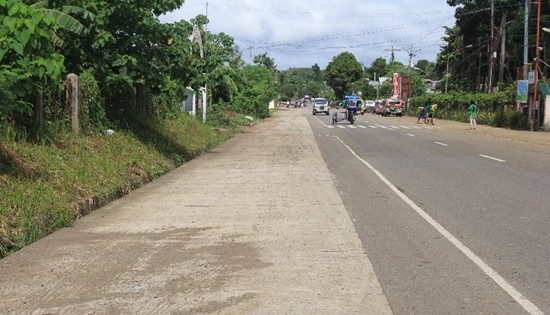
(360, 106)
(369, 106)
(394, 106)
(380, 107)
(320, 105)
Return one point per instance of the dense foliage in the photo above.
(133, 67)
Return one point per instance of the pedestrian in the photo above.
(421, 114)
(430, 108)
(473, 115)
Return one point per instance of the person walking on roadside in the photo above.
(421, 115)
(473, 115)
(430, 108)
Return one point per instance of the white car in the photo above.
(320, 105)
(369, 106)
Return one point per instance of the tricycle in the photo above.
(348, 115)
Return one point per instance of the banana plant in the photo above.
(63, 19)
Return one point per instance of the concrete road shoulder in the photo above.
(256, 226)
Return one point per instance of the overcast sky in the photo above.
(298, 33)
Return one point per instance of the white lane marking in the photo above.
(499, 280)
(394, 127)
(362, 127)
(352, 127)
(382, 126)
(373, 127)
(321, 122)
(410, 135)
(416, 127)
(492, 158)
(405, 127)
(341, 127)
(330, 127)
(442, 144)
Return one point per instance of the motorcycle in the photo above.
(351, 115)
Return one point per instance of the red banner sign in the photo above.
(395, 88)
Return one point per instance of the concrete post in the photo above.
(73, 101)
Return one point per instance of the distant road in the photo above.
(453, 221)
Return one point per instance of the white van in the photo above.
(320, 105)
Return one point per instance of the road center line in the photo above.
(442, 144)
(499, 280)
(492, 158)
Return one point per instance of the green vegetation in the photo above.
(133, 72)
(495, 109)
(44, 187)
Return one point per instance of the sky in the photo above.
(299, 33)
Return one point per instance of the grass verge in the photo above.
(44, 187)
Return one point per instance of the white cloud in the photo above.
(300, 34)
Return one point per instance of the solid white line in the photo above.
(492, 158)
(321, 121)
(442, 144)
(499, 280)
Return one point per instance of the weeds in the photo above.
(42, 185)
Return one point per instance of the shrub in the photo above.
(92, 109)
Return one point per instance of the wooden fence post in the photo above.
(73, 100)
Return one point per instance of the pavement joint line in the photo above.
(527, 305)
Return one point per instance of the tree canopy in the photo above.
(342, 73)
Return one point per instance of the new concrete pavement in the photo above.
(256, 226)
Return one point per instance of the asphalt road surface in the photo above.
(453, 221)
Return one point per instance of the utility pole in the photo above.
(491, 49)
(526, 56)
(526, 42)
(536, 104)
(377, 84)
(411, 55)
(392, 58)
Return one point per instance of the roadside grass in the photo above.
(45, 187)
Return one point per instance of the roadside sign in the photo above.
(522, 91)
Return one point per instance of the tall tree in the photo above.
(342, 72)
(266, 61)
